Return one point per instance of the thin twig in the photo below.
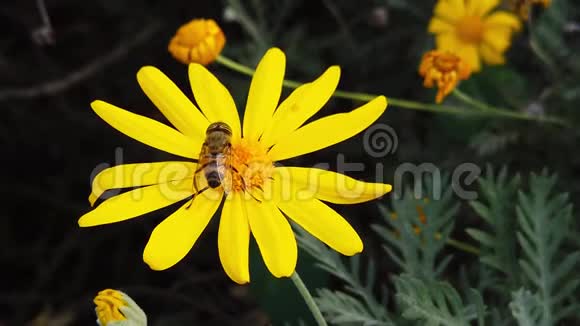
(53, 87)
(43, 34)
(44, 14)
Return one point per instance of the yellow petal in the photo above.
(437, 26)
(274, 237)
(323, 223)
(213, 98)
(502, 19)
(471, 56)
(295, 183)
(447, 41)
(148, 131)
(302, 104)
(328, 130)
(234, 239)
(139, 174)
(264, 93)
(173, 238)
(137, 202)
(481, 7)
(449, 10)
(490, 55)
(498, 31)
(496, 39)
(171, 101)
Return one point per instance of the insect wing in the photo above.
(225, 170)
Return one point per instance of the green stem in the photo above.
(406, 104)
(470, 100)
(308, 299)
(235, 66)
(463, 246)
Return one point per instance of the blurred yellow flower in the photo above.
(199, 41)
(522, 7)
(469, 29)
(261, 196)
(444, 70)
(115, 308)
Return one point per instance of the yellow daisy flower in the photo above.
(259, 195)
(115, 308)
(470, 29)
(198, 41)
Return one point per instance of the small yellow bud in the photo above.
(115, 308)
(199, 41)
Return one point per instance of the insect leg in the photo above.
(193, 197)
(203, 166)
(246, 190)
(196, 191)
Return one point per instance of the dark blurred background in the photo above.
(52, 142)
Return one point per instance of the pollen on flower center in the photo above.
(253, 165)
(470, 29)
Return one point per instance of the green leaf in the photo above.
(418, 229)
(436, 303)
(340, 308)
(360, 293)
(525, 308)
(477, 300)
(496, 208)
(544, 219)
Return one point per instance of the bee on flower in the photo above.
(473, 30)
(234, 163)
(199, 41)
(444, 70)
(115, 308)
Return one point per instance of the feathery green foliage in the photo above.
(525, 244)
(544, 220)
(345, 308)
(526, 308)
(418, 230)
(499, 243)
(547, 37)
(436, 303)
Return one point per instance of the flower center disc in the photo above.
(470, 29)
(252, 164)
